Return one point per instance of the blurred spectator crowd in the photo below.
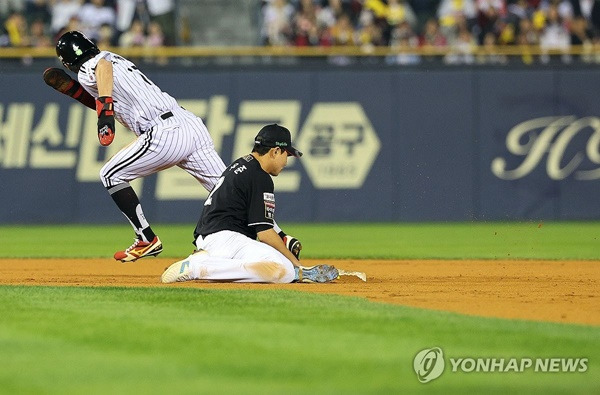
(127, 23)
(452, 27)
(456, 27)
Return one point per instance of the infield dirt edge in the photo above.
(554, 291)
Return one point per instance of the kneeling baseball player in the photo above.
(239, 210)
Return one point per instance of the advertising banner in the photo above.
(379, 145)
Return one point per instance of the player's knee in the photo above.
(272, 272)
(108, 176)
(104, 178)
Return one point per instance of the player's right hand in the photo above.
(106, 120)
(293, 244)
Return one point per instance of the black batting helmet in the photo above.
(73, 48)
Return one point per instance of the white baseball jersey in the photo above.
(168, 135)
(137, 100)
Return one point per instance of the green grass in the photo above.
(493, 240)
(173, 340)
(104, 340)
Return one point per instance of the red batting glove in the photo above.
(106, 120)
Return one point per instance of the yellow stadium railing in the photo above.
(356, 51)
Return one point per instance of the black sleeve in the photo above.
(261, 211)
(260, 228)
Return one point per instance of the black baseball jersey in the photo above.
(242, 201)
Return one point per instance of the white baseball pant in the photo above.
(182, 140)
(234, 257)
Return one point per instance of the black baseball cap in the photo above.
(276, 136)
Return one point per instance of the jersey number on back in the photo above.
(208, 201)
(134, 68)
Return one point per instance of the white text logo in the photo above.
(535, 138)
(429, 364)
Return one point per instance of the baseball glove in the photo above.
(59, 80)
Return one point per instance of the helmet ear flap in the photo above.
(73, 68)
(64, 63)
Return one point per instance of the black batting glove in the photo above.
(106, 120)
(292, 244)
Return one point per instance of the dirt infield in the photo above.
(558, 291)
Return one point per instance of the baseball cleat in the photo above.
(177, 272)
(140, 249)
(316, 274)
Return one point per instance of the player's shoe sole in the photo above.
(180, 271)
(316, 274)
(177, 272)
(140, 249)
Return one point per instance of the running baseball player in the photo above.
(240, 209)
(168, 135)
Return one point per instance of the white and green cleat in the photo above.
(177, 272)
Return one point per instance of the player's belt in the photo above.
(164, 116)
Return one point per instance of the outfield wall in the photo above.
(380, 145)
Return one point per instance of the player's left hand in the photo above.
(106, 120)
(292, 244)
(62, 82)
